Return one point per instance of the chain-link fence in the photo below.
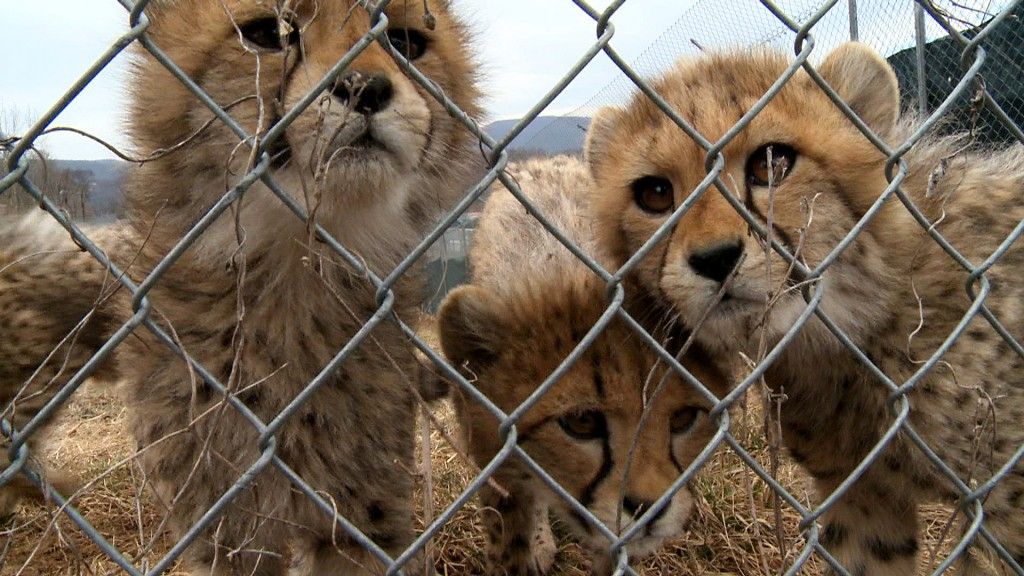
(969, 81)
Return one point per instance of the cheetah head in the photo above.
(801, 168)
(371, 143)
(588, 431)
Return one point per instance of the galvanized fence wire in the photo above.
(926, 60)
(969, 82)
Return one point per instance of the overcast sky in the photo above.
(525, 46)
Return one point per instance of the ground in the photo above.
(733, 532)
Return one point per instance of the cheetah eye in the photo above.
(586, 425)
(410, 42)
(653, 194)
(682, 420)
(270, 33)
(770, 164)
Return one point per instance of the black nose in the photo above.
(717, 262)
(635, 507)
(366, 93)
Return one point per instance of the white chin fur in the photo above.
(730, 327)
(362, 219)
(668, 525)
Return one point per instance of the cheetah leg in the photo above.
(872, 531)
(1005, 522)
(20, 487)
(520, 542)
(50, 326)
(327, 558)
(204, 562)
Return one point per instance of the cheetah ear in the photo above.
(866, 82)
(471, 325)
(599, 136)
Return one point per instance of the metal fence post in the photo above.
(920, 40)
(851, 6)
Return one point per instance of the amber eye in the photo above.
(653, 194)
(270, 33)
(770, 164)
(683, 419)
(410, 42)
(586, 425)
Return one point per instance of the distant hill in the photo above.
(105, 178)
(545, 135)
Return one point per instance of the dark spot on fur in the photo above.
(962, 398)
(827, 473)
(887, 551)
(1014, 498)
(251, 397)
(834, 535)
(880, 493)
(803, 433)
(202, 392)
(329, 546)
(375, 511)
(977, 335)
(577, 334)
(385, 540)
(518, 542)
(504, 505)
(893, 462)
(922, 481)
(318, 324)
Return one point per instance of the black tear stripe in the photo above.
(888, 551)
(606, 467)
(598, 379)
(280, 150)
(781, 234)
(583, 524)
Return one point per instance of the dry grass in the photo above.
(734, 531)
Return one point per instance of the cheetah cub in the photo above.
(256, 299)
(530, 302)
(806, 172)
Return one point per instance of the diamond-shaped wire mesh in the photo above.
(960, 72)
